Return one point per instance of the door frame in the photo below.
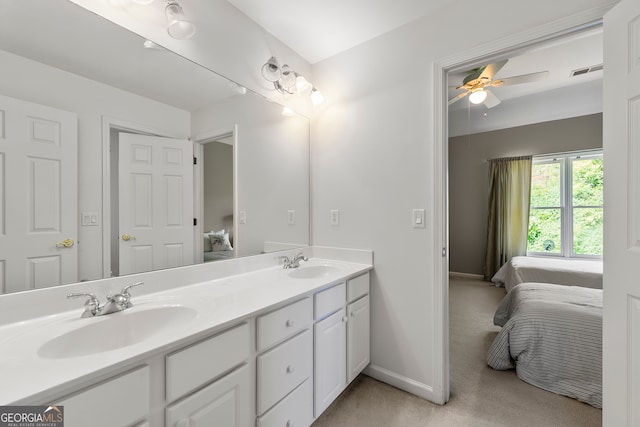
(503, 47)
(198, 184)
(109, 123)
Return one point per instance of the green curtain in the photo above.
(508, 219)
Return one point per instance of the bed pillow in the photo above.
(220, 242)
(206, 243)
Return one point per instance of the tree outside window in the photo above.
(566, 214)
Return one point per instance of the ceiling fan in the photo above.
(479, 79)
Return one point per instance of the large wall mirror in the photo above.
(98, 133)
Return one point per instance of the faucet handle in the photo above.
(125, 290)
(287, 261)
(91, 305)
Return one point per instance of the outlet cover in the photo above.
(335, 217)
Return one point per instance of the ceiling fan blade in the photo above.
(491, 70)
(491, 100)
(457, 98)
(524, 78)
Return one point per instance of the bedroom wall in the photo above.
(468, 176)
(218, 186)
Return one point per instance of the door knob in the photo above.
(66, 243)
(126, 237)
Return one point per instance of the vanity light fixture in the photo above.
(288, 82)
(179, 26)
(477, 96)
(143, 1)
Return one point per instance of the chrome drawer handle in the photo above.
(289, 323)
(289, 423)
(291, 369)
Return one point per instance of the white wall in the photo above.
(34, 82)
(372, 158)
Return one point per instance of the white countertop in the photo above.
(28, 377)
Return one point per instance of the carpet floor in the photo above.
(480, 396)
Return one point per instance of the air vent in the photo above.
(581, 71)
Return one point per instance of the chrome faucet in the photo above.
(118, 302)
(295, 262)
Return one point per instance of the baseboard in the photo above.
(399, 381)
(466, 275)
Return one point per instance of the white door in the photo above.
(621, 103)
(38, 196)
(155, 203)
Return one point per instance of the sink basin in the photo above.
(117, 330)
(313, 271)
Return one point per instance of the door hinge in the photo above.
(195, 160)
(195, 221)
(444, 252)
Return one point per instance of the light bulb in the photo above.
(271, 70)
(303, 86)
(478, 96)
(288, 78)
(179, 26)
(316, 97)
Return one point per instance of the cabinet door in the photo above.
(225, 403)
(330, 376)
(357, 337)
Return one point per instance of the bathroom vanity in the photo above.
(265, 347)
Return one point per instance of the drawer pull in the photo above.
(289, 323)
(289, 423)
(291, 369)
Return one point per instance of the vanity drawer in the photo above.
(357, 287)
(283, 368)
(295, 410)
(329, 300)
(87, 408)
(283, 323)
(200, 363)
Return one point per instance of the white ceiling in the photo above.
(317, 30)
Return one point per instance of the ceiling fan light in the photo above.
(478, 96)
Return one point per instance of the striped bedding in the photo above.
(552, 335)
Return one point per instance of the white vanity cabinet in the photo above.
(341, 338)
(284, 396)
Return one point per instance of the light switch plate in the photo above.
(291, 217)
(419, 218)
(335, 217)
(242, 217)
(89, 219)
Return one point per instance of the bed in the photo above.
(576, 272)
(552, 336)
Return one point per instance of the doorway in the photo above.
(482, 55)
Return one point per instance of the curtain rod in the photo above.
(560, 153)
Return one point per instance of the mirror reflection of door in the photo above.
(38, 205)
(217, 199)
(155, 203)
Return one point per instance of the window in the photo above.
(566, 213)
